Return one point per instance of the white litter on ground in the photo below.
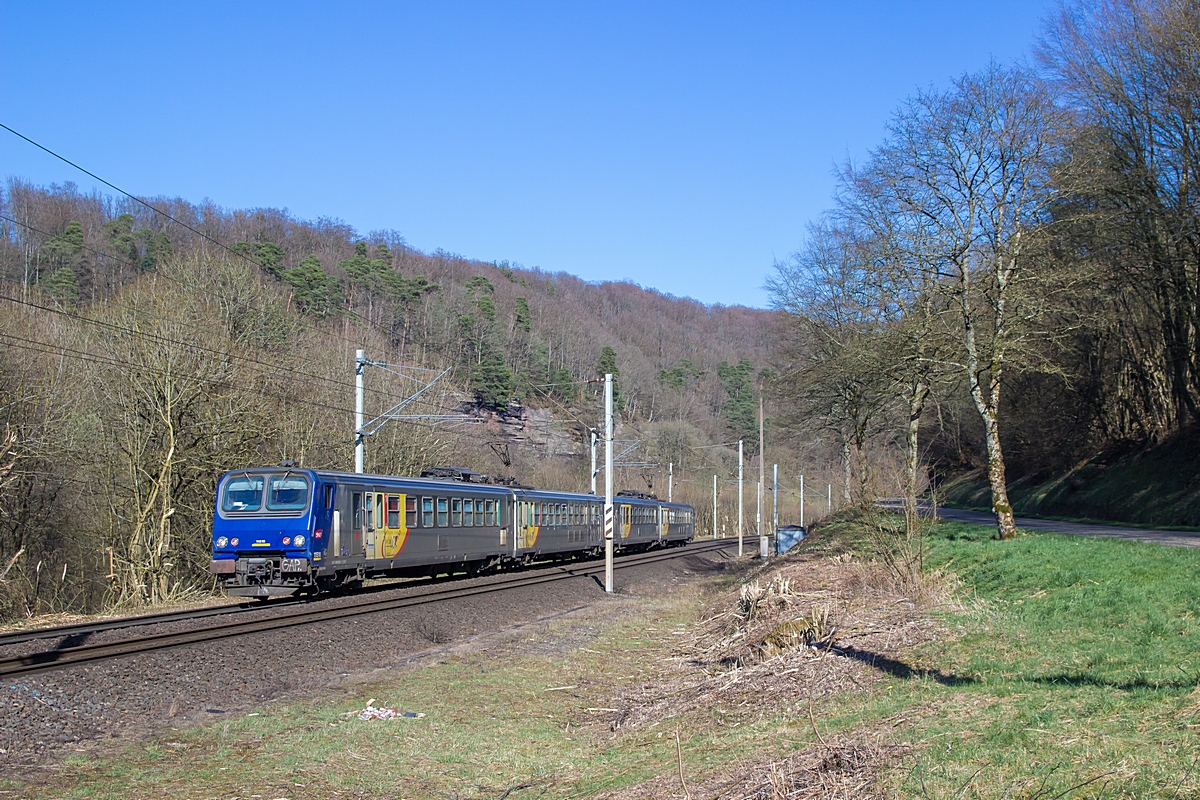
(382, 712)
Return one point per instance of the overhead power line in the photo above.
(175, 342)
(49, 348)
(118, 189)
(156, 210)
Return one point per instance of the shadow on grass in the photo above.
(899, 669)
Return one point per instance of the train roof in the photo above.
(445, 484)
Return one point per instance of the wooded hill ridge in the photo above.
(142, 359)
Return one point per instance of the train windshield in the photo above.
(287, 493)
(243, 493)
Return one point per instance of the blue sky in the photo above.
(683, 146)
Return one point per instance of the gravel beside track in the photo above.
(63, 710)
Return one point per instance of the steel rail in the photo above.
(49, 660)
(16, 637)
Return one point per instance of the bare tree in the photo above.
(1130, 70)
(973, 167)
(901, 257)
(834, 376)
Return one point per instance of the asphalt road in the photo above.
(1169, 538)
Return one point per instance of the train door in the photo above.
(626, 520)
(352, 540)
(524, 524)
(663, 521)
(394, 519)
(368, 524)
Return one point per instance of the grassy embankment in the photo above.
(1081, 664)
(1157, 487)
(1073, 662)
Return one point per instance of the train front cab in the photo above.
(268, 530)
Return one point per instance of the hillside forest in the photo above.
(1005, 292)
(146, 353)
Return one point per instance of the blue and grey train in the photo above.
(283, 530)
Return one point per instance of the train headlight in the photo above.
(299, 540)
(234, 541)
(222, 541)
(287, 540)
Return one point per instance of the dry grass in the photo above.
(779, 645)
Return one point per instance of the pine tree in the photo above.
(316, 291)
(608, 365)
(63, 286)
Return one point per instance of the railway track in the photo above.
(64, 657)
(82, 628)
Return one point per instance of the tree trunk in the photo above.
(1005, 525)
(847, 475)
(916, 405)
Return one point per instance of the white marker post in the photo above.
(670, 481)
(608, 484)
(739, 498)
(714, 505)
(360, 359)
(593, 463)
(762, 480)
(775, 500)
(801, 501)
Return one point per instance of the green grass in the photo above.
(1081, 660)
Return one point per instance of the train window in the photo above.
(329, 495)
(287, 493)
(243, 493)
(563, 519)
(456, 511)
(489, 513)
(380, 510)
(426, 512)
(468, 512)
(369, 518)
(537, 514)
(393, 511)
(410, 511)
(442, 517)
(479, 513)
(356, 507)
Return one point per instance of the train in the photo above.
(283, 531)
